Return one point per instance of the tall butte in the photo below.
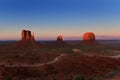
(26, 36)
(27, 41)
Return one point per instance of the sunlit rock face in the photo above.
(23, 35)
(26, 42)
(26, 36)
(89, 36)
(60, 38)
(89, 39)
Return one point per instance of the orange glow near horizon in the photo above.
(54, 37)
(76, 34)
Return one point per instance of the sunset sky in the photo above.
(70, 18)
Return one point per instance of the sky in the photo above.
(69, 18)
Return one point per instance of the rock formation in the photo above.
(26, 42)
(89, 36)
(89, 39)
(60, 40)
(26, 36)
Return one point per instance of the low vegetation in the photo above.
(38, 55)
(79, 77)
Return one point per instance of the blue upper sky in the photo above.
(70, 18)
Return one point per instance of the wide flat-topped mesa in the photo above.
(89, 39)
(26, 36)
(89, 36)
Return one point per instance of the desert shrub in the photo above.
(8, 78)
(79, 77)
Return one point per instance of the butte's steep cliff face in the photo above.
(26, 36)
(89, 39)
(27, 41)
(89, 36)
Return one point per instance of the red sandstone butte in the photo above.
(89, 39)
(26, 36)
(89, 36)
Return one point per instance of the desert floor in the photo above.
(50, 61)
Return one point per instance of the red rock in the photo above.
(26, 36)
(23, 35)
(33, 38)
(89, 39)
(89, 36)
(60, 38)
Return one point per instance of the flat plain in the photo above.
(49, 61)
